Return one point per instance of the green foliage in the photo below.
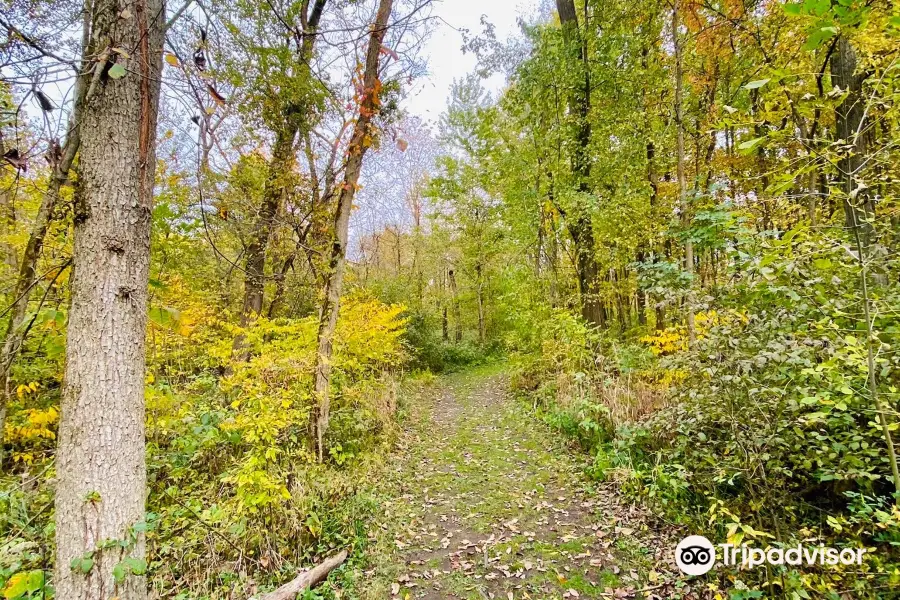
(733, 393)
(23, 585)
(432, 353)
(233, 453)
(796, 353)
(26, 541)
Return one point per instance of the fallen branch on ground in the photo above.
(307, 579)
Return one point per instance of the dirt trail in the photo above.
(485, 501)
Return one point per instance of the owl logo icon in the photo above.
(695, 555)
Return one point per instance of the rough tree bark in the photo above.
(280, 279)
(579, 222)
(279, 168)
(369, 106)
(100, 459)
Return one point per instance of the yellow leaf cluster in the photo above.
(675, 338)
(25, 390)
(37, 424)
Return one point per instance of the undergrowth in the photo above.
(762, 432)
(237, 501)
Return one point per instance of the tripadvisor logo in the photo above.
(696, 555)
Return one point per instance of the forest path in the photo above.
(485, 501)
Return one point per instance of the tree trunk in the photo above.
(307, 580)
(588, 272)
(279, 284)
(851, 128)
(280, 169)
(659, 309)
(580, 225)
(100, 460)
(370, 104)
(682, 181)
(457, 313)
(552, 244)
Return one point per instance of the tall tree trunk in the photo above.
(659, 308)
(280, 168)
(370, 104)
(644, 299)
(479, 291)
(850, 127)
(682, 180)
(588, 271)
(457, 313)
(280, 278)
(579, 222)
(101, 468)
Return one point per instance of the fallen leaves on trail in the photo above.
(481, 500)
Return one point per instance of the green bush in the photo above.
(771, 429)
(430, 352)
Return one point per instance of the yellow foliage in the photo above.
(675, 339)
(671, 377)
(31, 428)
(667, 341)
(25, 390)
(266, 403)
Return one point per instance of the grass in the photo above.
(476, 465)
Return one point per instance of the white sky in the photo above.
(446, 61)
